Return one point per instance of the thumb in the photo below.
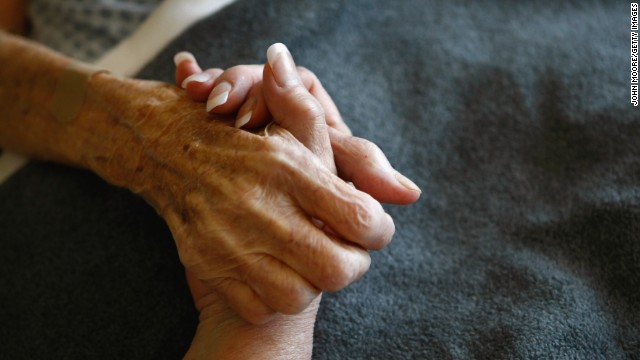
(293, 107)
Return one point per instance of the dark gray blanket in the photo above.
(514, 118)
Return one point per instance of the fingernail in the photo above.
(248, 106)
(408, 184)
(219, 95)
(244, 120)
(200, 78)
(282, 65)
(182, 56)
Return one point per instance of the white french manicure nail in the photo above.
(282, 65)
(201, 78)
(182, 56)
(244, 120)
(219, 95)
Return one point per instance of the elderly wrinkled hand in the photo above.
(300, 104)
(241, 206)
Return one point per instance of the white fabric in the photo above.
(86, 29)
(168, 21)
(9, 164)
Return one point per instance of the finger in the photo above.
(231, 88)
(198, 86)
(285, 233)
(186, 65)
(363, 163)
(350, 213)
(254, 112)
(332, 115)
(324, 261)
(243, 79)
(238, 295)
(278, 285)
(299, 261)
(199, 290)
(245, 301)
(242, 84)
(189, 76)
(293, 107)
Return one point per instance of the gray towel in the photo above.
(514, 118)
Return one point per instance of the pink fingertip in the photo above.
(182, 56)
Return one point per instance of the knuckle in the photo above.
(380, 241)
(298, 299)
(314, 110)
(306, 104)
(310, 108)
(361, 216)
(191, 253)
(367, 149)
(235, 70)
(340, 274)
(242, 74)
(283, 156)
(274, 151)
(272, 146)
(342, 277)
(370, 226)
(250, 266)
(390, 232)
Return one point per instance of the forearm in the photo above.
(28, 78)
(103, 137)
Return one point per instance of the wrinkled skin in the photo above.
(259, 221)
(221, 333)
(249, 235)
(240, 205)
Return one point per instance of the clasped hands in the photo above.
(269, 222)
